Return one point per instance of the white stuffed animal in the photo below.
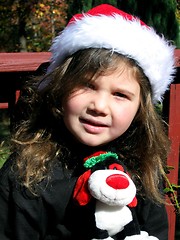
(115, 194)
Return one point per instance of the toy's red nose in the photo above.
(117, 181)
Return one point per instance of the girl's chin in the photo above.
(92, 143)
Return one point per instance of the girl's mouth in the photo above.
(93, 127)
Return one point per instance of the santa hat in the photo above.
(108, 27)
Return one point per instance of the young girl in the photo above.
(108, 69)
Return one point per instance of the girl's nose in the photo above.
(100, 104)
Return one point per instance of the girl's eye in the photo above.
(90, 86)
(120, 95)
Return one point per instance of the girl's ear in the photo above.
(81, 193)
(133, 203)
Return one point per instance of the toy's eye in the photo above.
(116, 166)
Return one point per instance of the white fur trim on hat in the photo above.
(129, 37)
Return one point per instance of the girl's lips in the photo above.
(93, 127)
(93, 122)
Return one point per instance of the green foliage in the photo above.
(97, 2)
(171, 190)
(8, 26)
(30, 25)
(48, 18)
(4, 153)
(4, 136)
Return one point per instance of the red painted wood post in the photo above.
(173, 159)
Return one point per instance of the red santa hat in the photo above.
(108, 27)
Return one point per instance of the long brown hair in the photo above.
(144, 147)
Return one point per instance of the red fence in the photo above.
(173, 159)
(15, 68)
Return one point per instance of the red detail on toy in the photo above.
(133, 203)
(117, 181)
(94, 155)
(116, 166)
(81, 192)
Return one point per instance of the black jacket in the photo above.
(24, 216)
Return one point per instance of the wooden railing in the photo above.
(15, 68)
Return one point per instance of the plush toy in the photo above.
(107, 181)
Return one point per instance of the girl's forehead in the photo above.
(121, 68)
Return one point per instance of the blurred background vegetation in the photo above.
(4, 135)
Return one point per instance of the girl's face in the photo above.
(104, 109)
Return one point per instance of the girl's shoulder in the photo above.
(57, 177)
(54, 191)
